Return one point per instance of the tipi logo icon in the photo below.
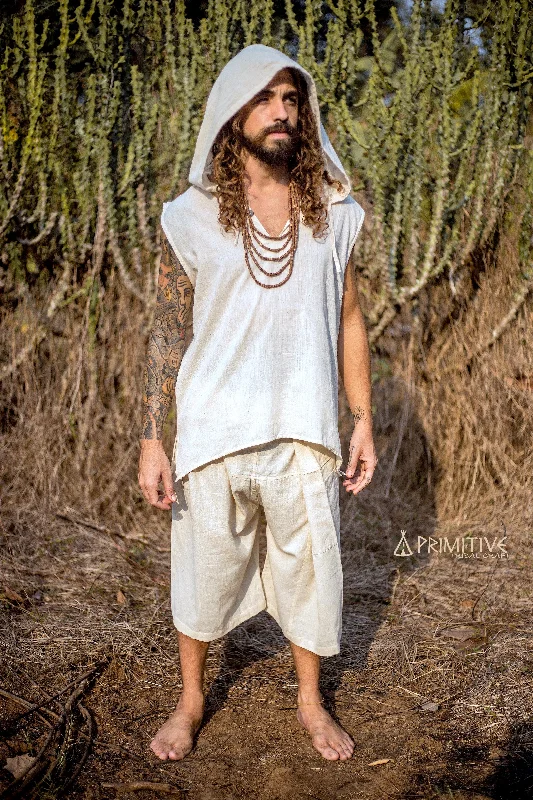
(402, 548)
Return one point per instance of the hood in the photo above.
(243, 76)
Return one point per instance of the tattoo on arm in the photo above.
(359, 414)
(167, 342)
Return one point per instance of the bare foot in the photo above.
(329, 739)
(176, 737)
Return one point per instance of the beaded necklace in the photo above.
(289, 239)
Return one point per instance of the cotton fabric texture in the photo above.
(216, 582)
(262, 363)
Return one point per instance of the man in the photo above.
(262, 241)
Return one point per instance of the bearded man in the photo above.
(257, 313)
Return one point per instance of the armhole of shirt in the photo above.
(351, 243)
(355, 235)
(183, 263)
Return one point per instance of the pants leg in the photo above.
(215, 580)
(302, 574)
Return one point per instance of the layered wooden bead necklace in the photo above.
(252, 236)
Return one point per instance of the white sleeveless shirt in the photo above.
(262, 363)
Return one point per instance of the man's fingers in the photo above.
(156, 498)
(352, 469)
(367, 473)
(360, 484)
(356, 485)
(165, 505)
(352, 464)
(363, 480)
(154, 469)
(151, 493)
(168, 483)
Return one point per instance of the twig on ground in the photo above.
(39, 763)
(75, 682)
(14, 788)
(26, 704)
(88, 741)
(141, 786)
(107, 746)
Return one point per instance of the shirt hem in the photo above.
(178, 475)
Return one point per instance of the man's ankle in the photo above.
(192, 695)
(309, 696)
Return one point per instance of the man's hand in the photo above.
(154, 467)
(362, 452)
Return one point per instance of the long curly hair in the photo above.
(307, 170)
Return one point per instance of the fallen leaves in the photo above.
(461, 634)
(18, 765)
(465, 636)
(15, 597)
(429, 706)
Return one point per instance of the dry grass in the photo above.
(435, 672)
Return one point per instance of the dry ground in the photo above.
(435, 674)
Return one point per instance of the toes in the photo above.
(160, 754)
(340, 750)
(329, 753)
(348, 749)
(332, 741)
(327, 749)
(154, 746)
(344, 747)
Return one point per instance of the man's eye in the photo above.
(292, 100)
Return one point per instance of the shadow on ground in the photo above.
(478, 772)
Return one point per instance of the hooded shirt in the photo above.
(262, 363)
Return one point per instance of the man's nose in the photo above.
(279, 112)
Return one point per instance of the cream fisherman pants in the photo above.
(216, 582)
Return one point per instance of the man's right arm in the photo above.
(166, 346)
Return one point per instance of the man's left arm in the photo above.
(353, 354)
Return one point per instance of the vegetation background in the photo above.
(429, 108)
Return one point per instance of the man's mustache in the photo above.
(286, 129)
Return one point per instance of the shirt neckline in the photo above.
(260, 224)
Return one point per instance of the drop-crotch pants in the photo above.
(216, 582)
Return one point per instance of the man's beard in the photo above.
(280, 153)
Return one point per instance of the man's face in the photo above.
(270, 129)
